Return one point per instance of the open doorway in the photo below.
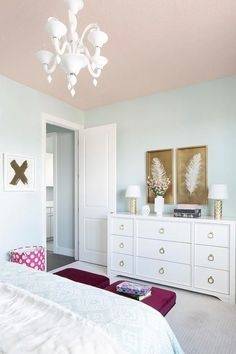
(61, 193)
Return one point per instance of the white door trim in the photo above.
(55, 212)
(50, 119)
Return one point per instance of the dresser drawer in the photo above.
(170, 231)
(212, 257)
(212, 280)
(212, 234)
(122, 226)
(122, 244)
(163, 271)
(122, 263)
(164, 250)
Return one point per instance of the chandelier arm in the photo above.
(61, 50)
(73, 23)
(86, 52)
(94, 73)
(87, 29)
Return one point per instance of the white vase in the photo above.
(159, 205)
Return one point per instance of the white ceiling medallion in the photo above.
(71, 52)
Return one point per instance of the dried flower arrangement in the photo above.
(159, 183)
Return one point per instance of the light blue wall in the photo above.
(21, 133)
(197, 115)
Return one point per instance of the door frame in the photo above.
(54, 137)
(76, 127)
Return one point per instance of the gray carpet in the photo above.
(203, 324)
(55, 261)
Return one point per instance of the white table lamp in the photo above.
(218, 192)
(133, 193)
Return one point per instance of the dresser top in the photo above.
(170, 217)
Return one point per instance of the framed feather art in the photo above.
(192, 175)
(159, 165)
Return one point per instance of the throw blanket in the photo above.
(135, 327)
(30, 324)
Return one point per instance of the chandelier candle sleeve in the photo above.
(71, 51)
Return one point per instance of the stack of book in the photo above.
(134, 290)
(187, 211)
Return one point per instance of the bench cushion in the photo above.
(162, 300)
(84, 277)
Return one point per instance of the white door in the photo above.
(97, 192)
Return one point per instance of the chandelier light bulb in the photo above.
(71, 52)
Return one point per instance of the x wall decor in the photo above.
(19, 173)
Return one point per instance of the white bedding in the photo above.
(133, 327)
(31, 324)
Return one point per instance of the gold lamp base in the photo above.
(133, 205)
(218, 209)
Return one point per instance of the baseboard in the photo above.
(64, 251)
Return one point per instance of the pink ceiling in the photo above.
(154, 45)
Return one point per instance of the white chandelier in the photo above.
(71, 52)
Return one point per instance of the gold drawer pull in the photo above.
(161, 270)
(122, 263)
(161, 250)
(161, 231)
(122, 245)
(122, 227)
(211, 280)
(211, 258)
(210, 235)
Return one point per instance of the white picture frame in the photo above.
(19, 173)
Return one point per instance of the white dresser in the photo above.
(192, 254)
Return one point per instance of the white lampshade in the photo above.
(56, 28)
(73, 63)
(218, 192)
(75, 5)
(44, 56)
(133, 191)
(97, 38)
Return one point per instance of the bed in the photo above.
(43, 313)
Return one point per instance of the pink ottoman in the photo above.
(162, 300)
(80, 276)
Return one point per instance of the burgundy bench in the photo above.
(162, 300)
(83, 277)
